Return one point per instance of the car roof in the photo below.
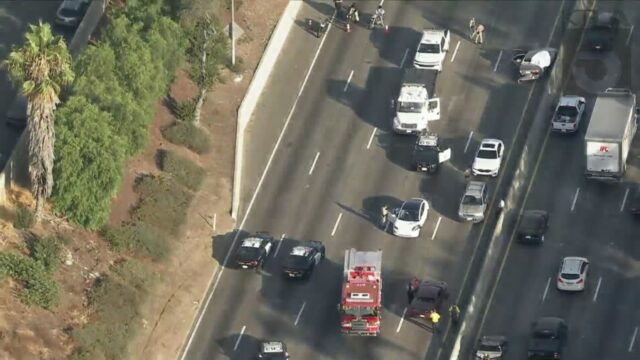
(253, 242)
(431, 36)
(569, 100)
(413, 204)
(474, 188)
(429, 288)
(572, 264)
(605, 18)
(490, 144)
(493, 340)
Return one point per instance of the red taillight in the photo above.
(580, 281)
(560, 280)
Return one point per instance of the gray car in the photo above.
(474, 202)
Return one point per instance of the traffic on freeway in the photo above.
(381, 151)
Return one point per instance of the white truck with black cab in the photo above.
(611, 130)
(414, 108)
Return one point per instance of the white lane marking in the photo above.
(335, 227)
(314, 163)
(497, 62)
(215, 217)
(436, 229)
(235, 347)
(595, 296)
(451, 103)
(546, 289)
(633, 339)
(630, 32)
(466, 147)
(455, 52)
(404, 312)
(624, 199)
(218, 276)
(300, 313)
(346, 86)
(381, 2)
(575, 198)
(279, 244)
(404, 57)
(373, 133)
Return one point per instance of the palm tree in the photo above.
(40, 68)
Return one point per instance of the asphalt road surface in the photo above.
(338, 163)
(588, 219)
(15, 17)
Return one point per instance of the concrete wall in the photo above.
(260, 77)
(16, 167)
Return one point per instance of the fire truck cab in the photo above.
(360, 304)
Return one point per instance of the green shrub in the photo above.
(183, 170)
(38, 287)
(186, 110)
(47, 251)
(116, 300)
(139, 238)
(24, 218)
(237, 4)
(188, 135)
(163, 203)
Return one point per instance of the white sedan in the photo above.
(408, 219)
(572, 275)
(488, 158)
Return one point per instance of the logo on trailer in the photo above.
(603, 149)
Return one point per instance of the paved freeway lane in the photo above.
(354, 181)
(587, 219)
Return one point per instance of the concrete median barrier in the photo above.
(258, 82)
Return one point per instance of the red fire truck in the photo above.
(360, 304)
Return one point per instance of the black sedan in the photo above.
(254, 251)
(303, 259)
(533, 226)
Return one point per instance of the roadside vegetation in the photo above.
(101, 123)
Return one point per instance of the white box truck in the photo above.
(611, 130)
(414, 108)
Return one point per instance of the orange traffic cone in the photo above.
(348, 27)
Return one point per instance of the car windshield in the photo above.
(246, 252)
(471, 200)
(360, 311)
(491, 348)
(410, 107)
(408, 215)
(429, 48)
(487, 154)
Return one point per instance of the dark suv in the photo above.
(602, 32)
(303, 259)
(533, 226)
(547, 339)
(428, 297)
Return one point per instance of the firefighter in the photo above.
(435, 319)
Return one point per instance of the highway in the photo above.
(587, 218)
(338, 163)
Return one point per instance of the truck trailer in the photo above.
(611, 130)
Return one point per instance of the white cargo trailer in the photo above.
(611, 130)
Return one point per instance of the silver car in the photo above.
(474, 202)
(569, 112)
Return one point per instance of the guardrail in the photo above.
(515, 194)
(16, 166)
(250, 100)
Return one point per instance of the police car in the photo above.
(254, 250)
(428, 153)
(302, 259)
(273, 350)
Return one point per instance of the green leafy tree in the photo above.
(41, 67)
(206, 51)
(97, 81)
(167, 42)
(90, 158)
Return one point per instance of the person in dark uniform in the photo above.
(412, 288)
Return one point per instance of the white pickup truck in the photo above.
(432, 49)
(611, 130)
(413, 108)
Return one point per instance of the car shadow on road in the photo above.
(238, 347)
(371, 209)
(222, 247)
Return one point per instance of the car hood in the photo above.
(429, 58)
(486, 164)
(471, 209)
(405, 225)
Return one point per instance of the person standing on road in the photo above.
(454, 311)
(385, 216)
(472, 27)
(435, 319)
(353, 13)
(379, 16)
(338, 5)
(412, 287)
(478, 36)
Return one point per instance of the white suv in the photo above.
(573, 273)
(432, 49)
